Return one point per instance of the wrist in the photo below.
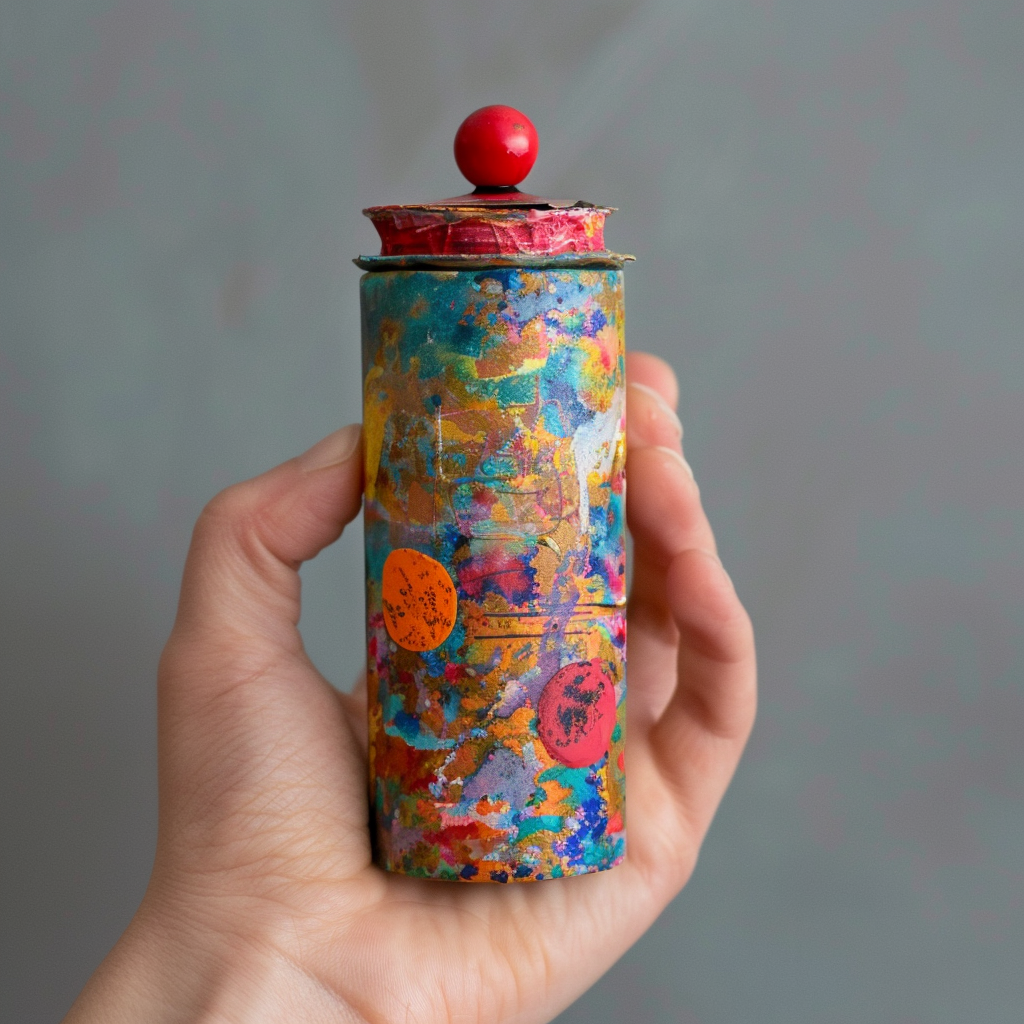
(157, 972)
(167, 967)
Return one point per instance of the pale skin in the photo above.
(264, 905)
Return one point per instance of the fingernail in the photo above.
(666, 409)
(333, 450)
(678, 456)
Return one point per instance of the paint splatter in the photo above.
(419, 600)
(576, 714)
(495, 454)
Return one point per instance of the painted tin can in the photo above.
(493, 417)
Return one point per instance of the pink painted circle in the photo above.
(576, 713)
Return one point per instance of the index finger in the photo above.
(653, 372)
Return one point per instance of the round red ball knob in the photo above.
(496, 146)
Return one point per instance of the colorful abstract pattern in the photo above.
(495, 570)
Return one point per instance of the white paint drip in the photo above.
(593, 448)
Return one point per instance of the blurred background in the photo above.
(826, 204)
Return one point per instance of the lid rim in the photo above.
(601, 260)
(466, 203)
(484, 230)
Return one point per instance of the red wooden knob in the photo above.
(496, 146)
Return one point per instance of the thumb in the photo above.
(240, 593)
(248, 730)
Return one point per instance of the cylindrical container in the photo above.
(492, 333)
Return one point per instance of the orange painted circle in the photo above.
(419, 600)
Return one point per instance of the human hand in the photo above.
(264, 904)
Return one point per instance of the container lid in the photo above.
(496, 224)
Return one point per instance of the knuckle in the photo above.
(230, 513)
(733, 639)
(226, 506)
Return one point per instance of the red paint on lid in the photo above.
(499, 230)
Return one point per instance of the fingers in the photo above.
(665, 517)
(653, 372)
(650, 420)
(699, 739)
(240, 589)
(716, 647)
(691, 643)
(664, 510)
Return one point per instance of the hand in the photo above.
(263, 903)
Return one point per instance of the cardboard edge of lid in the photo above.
(514, 200)
(567, 260)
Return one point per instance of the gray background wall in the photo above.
(826, 203)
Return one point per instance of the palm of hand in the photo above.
(264, 836)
